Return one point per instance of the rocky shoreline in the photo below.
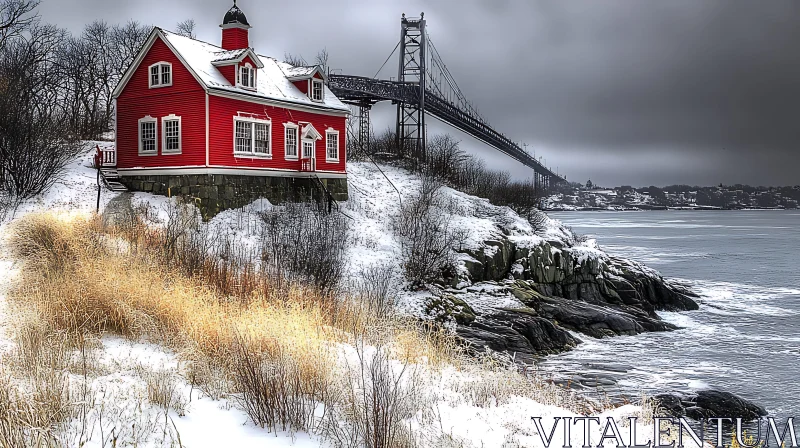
(532, 301)
(555, 290)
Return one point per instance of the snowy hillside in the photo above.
(460, 405)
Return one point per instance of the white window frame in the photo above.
(313, 143)
(296, 129)
(161, 65)
(148, 119)
(252, 153)
(311, 83)
(251, 71)
(164, 120)
(328, 134)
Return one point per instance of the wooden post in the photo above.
(98, 191)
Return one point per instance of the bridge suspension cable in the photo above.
(425, 86)
(387, 60)
(438, 72)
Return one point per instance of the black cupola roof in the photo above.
(235, 15)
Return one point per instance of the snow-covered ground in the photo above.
(124, 367)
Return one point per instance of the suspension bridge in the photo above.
(424, 86)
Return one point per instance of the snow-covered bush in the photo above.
(376, 287)
(302, 242)
(426, 235)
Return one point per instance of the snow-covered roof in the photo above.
(229, 55)
(302, 72)
(271, 81)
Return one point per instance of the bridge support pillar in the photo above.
(364, 126)
(410, 132)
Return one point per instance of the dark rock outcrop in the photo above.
(562, 288)
(519, 332)
(709, 404)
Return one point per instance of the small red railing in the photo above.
(308, 164)
(105, 157)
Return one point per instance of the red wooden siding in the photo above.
(302, 85)
(185, 98)
(229, 72)
(222, 111)
(235, 38)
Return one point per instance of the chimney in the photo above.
(235, 29)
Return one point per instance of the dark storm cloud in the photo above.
(622, 91)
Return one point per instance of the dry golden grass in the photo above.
(274, 346)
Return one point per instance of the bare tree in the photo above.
(89, 76)
(295, 60)
(35, 141)
(15, 17)
(187, 28)
(322, 60)
(127, 40)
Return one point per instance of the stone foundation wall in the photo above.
(213, 193)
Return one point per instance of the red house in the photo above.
(226, 125)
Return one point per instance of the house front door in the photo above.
(309, 155)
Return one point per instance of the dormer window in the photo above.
(317, 90)
(160, 74)
(247, 76)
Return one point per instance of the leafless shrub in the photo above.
(377, 398)
(208, 374)
(301, 242)
(376, 287)
(446, 162)
(575, 238)
(428, 240)
(279, 391)
(163, 390)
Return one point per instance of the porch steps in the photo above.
(116, 186)
(111, 179)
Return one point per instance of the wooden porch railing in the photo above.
(308, 164)
(105, 157)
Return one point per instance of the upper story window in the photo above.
(171, 134)
(332, 145)
(160, 74)
(317, 90)
(147, 136)
(290, 141)
(252, 137)
(247, 76)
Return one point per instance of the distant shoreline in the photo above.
(664, 209)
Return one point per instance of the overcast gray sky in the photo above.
(619, 91)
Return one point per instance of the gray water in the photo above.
(745, 338)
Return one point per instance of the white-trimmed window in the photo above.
(332, 145)
(290, 140)
(160, 74)
(252, 137)
(171, 140)
(247, 76)
(148, 145)
(309, 146)
(317, 90)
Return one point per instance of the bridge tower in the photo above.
(364, 125)
(410, 133)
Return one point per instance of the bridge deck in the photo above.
(357, 89)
